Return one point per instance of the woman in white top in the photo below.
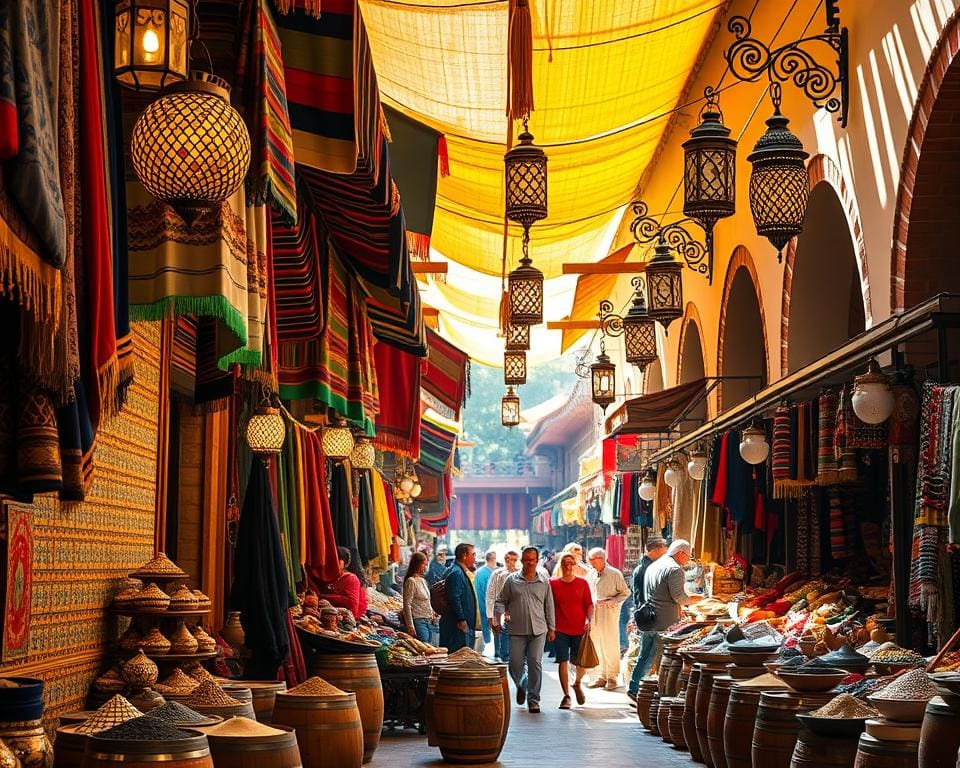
(417, 612)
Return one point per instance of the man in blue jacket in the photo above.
(462, 617)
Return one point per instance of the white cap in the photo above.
(679, 545)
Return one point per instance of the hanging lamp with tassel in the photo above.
(520, 47)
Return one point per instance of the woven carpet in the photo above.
(447, 377)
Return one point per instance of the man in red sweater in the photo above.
(346, 591)
(573, 605)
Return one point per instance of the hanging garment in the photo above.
(828, 471)
(320, 554)
(366, 533)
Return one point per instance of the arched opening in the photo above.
(826, 301)
(744, 352)
(653, 378)
(692, 367)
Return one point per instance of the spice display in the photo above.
(116, 710)
(203, 602)
(465, 654)
(161, 565)
(200, 674)
(182, 599)
(897, 655)
(950, 662)
(110, 681)
(861, 687)
(140, 671)
(315, 686)
(205, 643)
(181, 641)
(844, 707)
(155, 643)
(243, 726)
(145, 728)
(210, 694)
(176, 713)
(151, 598)
(178, 681)
(913, 685)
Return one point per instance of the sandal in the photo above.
(565, 702)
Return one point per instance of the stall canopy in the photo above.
(490, 512)
(657, 412)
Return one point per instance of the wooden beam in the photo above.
(599, 268)
(572, 325)
(429, 267)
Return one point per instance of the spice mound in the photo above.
(897, 655)
(242, 726)
(844, 707)
(179, 681)
(209, 694)
(145, 728)
(914, 685)
(115, 711)
(465, 654)
(174, 712)
(315, 686)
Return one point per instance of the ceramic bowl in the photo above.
(811, 683)
(833, 726)
(751, 659)
(900, 710)
(891, 731)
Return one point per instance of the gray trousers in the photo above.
(526, 663)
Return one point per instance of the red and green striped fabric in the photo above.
(296, 276)
(447, 376)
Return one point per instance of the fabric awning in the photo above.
(591, 290)
(490, 512)
(656, 412)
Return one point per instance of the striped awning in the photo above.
(491, 511)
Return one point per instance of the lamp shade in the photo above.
(266, 431)
(639, 333)
(416, 490)
(709, 169)
(603, 381)
(778, 183)
(525, 167)
(697, 466)
(151, 43)
(363, 455)
(754, 447)
(189, 147)
(664, 285)
(406, 483)
(510, 409)
(525, 291)
(673, 475)
(648, 487)
(872, 397)
(518, 337)
(337, 441)
(514, 368)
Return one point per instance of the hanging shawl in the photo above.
(320, 552)
(828, 471)
(447, 374)
(838, 534)
(383, 528)
(781, 452)
(398, 422)
(437, 443)
(366, 530)
(287, 509)
(297, 269)
(260, 590)
(344, 519)
(846, 455)
(904, 424)
(954, 509)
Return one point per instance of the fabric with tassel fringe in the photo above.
(520, 61)
(828, 470)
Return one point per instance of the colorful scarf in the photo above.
(844, 452)
(297, 281)
(447, 375)
(320, 553)
(398, 422)
(396, 320)
(437, 442)
(828, 471)
(838, 533)
(782, 450)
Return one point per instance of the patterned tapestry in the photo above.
(18, 584)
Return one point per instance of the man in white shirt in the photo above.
(501, 634)
(610, 590)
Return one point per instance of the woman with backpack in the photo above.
(418, 614)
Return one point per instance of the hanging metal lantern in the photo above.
(525, 290)
(518, 338)
(337, 441)
(151, 43)
(709, 168)
(525, 166)
(639, 330)
(514, 368)
(778, 183)
(190, 148)
(603, 383)
(363, 455)
(266, 431)
(664, 285)
(510, 409)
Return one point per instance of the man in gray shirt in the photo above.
(527, 599)
(663, 585)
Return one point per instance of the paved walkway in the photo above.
(604, 732)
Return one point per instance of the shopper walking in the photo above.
(484, 572)
(573, 607)
(462, 617)
(526, 596)
(655, 549)
(418, 613)
(438, 566)
(501, 633)
(610, 591)
(663, 585)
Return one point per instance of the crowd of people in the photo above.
(534, 604)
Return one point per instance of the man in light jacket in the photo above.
(610, 590)
(526, 596)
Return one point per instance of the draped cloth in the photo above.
(320, 550)
(260, 589)
(828, 471)
(344, 520)
(447, 375)
(398, 422)
(297, 270)
(366, 525)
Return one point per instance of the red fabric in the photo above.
(320, 558)
(392, 509)
(720, 488)
(444, 156)
(759, 513)
(398, 422)
(346, 592)
(571, 602)
(294, 669)
(609, 460)
(616, 550)
(9, 135)
(103, 378)
(625, 500)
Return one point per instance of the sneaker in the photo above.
(611, 685)
(521, 695)
(565, 702)
(578, 692)
(534, 709)
(600, 683)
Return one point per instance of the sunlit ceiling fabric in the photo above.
(591, 290)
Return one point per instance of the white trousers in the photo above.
(605, 633)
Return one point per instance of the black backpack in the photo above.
(645, 617)
(438, 597)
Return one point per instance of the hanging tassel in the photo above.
(520, 63)
(310, 6)
(504, 312)
(444, 156)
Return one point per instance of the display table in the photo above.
(405, 697)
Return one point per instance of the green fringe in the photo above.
(208, 306)
(314, 390)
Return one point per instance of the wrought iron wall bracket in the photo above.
(697, 255)
(749, 59)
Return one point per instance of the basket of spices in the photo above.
(843, 715)
(128, 596)
(178, 714)
(205, 643)
(177, 683)
(905, 698)
(210, 699)
(147, 741)
(140, 671)
(117, 710)
(203, 602)
(888, 661)
(160, 567)
(151, 598)
(181, 641)
(110, 681)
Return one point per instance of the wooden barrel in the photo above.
(663, 718)
(669, 660)
(939, 735)
(239, 691)
(880, 753)
(702, 709)
(776, 725)
(654, 726)
(264, 693)
(76, 717)
(675, 722)
(738, 726)
(277, 750)
(716, 717)
(690, 714)
(226, 711)
(503, 671)
(816, 751)
(428, 707)
(191, 752)
(468, 714)
(357, 672)
(69, 746)
(329, 729)
(648, 687)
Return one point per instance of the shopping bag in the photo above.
(587, 655)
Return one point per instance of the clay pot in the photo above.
(232, 630)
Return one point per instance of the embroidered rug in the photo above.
(18, 584)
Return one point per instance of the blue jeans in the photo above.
(648, 641)
(424, 629)
(626, 613)
(503, 644)
(485, 628)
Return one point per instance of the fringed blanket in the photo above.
(447, 374)
(398, 423)
(297, 282)
(320, 553)
(396, 321)
(437, 442)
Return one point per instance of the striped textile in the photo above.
(447, 376)
(396, 321)
(491, 512)
(296, 276)
(262, 89)
(437, 443)
(838, 533)
(845, 454)
(828, 471)
(781, 450)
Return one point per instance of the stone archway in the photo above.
(691, 360)
(653, 378)
(742, 349)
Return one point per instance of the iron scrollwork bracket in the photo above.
(749, 59)
(697, 255)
